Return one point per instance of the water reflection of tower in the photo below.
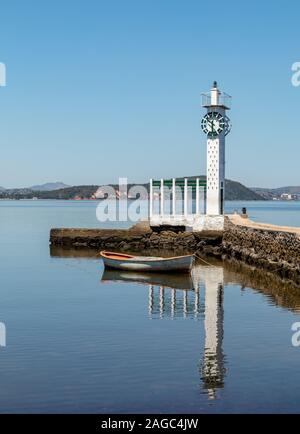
(212, 369)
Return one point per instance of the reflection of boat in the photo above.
(170, 294)
(167, 280)
(147, 263)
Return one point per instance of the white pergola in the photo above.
(181, 202)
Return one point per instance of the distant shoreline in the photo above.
(132, 199)
(233, 191)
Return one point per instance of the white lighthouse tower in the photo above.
(216, 125)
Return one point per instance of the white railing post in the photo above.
(173, 197)
(161, 301)
(185, 208)
(161, 197)
(202, 200)
(197, 196)
(185, 303)
(173, 302)
(151, 199)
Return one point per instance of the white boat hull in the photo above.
(181, 263)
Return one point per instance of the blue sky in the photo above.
(97, 89)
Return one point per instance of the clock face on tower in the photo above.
(213, 123)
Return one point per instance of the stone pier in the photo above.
(273, 248)
(269, 247)
(136, 240)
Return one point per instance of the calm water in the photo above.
(80, 340)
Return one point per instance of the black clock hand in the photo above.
(212, 126)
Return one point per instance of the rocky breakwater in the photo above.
(138, 239)
(272, 248)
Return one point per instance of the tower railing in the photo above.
(224, 100)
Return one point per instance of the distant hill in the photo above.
(233, 191)
(50, 186)
(77, 192)
(236, 191)
(275, 193)
(58, 190)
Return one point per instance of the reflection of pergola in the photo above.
(169, 302)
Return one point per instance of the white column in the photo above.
(197, 196)
(214, 95)
(161, 197)
(196, 310)
(185, 303)
(161, 301)
(201, 199)
(173, 302)
(213, 176)
(185, 197)
(151, 199)
(173, 197)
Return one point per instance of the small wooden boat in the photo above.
(122, 261)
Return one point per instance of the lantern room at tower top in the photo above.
(216, 98)
(197, 204)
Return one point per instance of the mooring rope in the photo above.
(201, 259)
